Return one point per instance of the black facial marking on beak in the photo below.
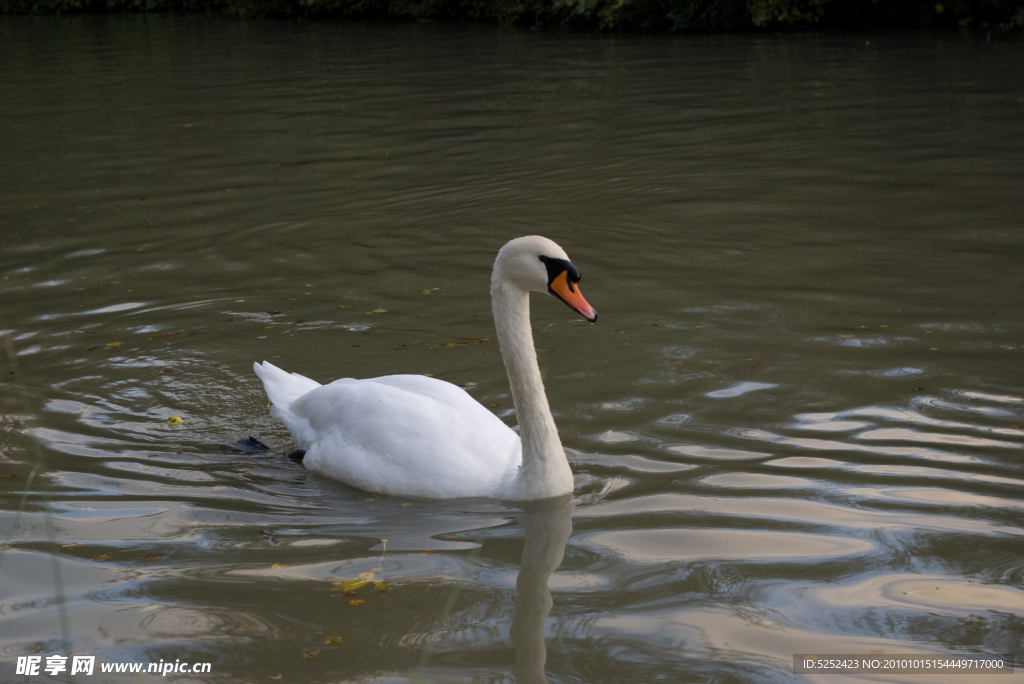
(558, 266)
(562, 279)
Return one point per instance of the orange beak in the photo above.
(569, 292)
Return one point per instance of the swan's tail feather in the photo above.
(282, 389)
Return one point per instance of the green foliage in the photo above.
(632, 15)
(788, 12)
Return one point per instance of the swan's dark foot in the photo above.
(297, 455)
(250, 445)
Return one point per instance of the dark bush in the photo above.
(630, 15)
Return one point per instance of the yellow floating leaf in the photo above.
(883, 325)
(239, 301)
(130, 290)
(350, 585)
(309, 655)
(102, 557)
(277, 676)
(219, 486)
(845, 335)
(278, 566)
(174, 420)
(470, 384)
(355, 602)
(481, 340)
(381, 586)
(406, 505)
(114, 344)
(79, 331)
(344, 306)
(334, 639)
(366, 575)
(309, 284)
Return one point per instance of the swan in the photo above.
(410, 435)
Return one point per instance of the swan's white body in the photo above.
(401, 434)
(411, 435)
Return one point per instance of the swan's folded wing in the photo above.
(407, 434)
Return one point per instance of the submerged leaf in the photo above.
(355, 602)
(309, 655)
(334, 639)
(114, 344)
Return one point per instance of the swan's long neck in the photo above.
(545, 471)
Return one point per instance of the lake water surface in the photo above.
(797, 427)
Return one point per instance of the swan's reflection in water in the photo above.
(547, 525)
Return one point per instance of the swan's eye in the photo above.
(557, 267)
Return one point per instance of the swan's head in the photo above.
(536, 263)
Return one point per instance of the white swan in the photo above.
(411, 435)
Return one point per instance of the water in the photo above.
(797, 426)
